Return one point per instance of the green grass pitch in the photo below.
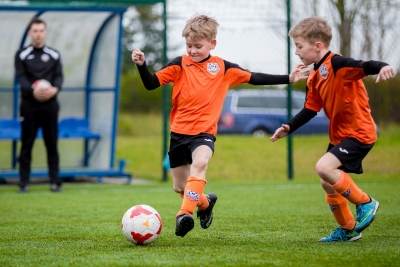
(256, 224)
(261, 219)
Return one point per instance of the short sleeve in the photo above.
(313, 100)
(235, 74)
(168, 74)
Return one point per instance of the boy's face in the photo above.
(199, 49)
(37, 33)
(308, 52)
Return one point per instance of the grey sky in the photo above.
(252, 33)
(244, 36)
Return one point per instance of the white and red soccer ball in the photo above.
(141, 224)
(42, 84)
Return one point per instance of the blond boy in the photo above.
(200, 83)
(335, 85)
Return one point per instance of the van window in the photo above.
(267, 102)
(298, 102)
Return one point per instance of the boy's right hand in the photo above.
(385, 73)
(300, 72)
(280, 132)
(138, 57)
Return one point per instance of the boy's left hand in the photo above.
(301, 72)
(138, 57)
(280, 132)
(385, 73)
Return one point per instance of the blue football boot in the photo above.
(365, 214)
(341, 235)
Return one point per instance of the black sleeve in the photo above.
(370, 67)
(21, 75)
(150, 80)
(300, 119)
(58, 75)
(257, 78)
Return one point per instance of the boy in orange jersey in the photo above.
(335, 85)
(200, 83)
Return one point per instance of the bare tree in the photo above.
(366, 21)
(379, 24)
(365, 29)
(387, 11)
(347, 12)
(143, 29)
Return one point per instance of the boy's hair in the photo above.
(312, 29)
(200, 27)
(36, 20)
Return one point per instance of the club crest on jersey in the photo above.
(323, 71)
(213, 68)
(45, 57)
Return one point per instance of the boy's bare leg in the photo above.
(339, 188)
(194, 192)
(328, 169)
(179, 177)
(200, 156)
(195, 181)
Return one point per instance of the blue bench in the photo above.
(76, 128)
(9, 129)
(68, 128)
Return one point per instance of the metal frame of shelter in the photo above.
(115, 10)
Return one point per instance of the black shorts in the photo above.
(182, 146)
(351, 153)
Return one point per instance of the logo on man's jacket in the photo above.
(45, 57)
(213, 68)
(323, 71)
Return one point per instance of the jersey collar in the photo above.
(316, 65)
(204, 60)
(38, 48)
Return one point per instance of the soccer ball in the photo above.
(141, 224)
(42, 84)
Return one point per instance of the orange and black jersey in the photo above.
(199, 89)
(335, 85)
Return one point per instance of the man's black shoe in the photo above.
(184, 223)
(206, 216)
(55, 188)
(23, 189)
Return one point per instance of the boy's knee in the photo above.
(322, 169)
(200, 164)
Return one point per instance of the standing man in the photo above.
(39, 72)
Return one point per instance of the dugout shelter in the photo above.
(88, 35)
